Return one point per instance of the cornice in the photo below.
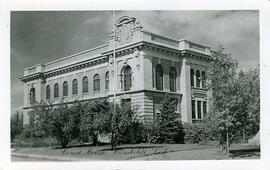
(32, 77)
(104, 57)
(65, 69)
(76, 66)
(191, 54)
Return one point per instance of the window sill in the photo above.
(199, 88)
(196, 120)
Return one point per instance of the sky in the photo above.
(40, 37)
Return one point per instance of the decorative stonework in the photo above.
(127, 30)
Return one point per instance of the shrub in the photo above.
(60, 122)
(121, 120)
(135, 133)
(194, 133)
(27, 132)
(22, 141)
(179, 136)
(16, 125)
(93, 120)
(168, 125)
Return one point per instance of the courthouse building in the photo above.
(147, 66)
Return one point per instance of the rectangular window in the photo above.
(204, 108)
(199, 108)
(193, 109)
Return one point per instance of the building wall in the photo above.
(145, 98)
(89, 72)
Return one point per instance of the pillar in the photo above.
(186, 92)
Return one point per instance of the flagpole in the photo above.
(114, 64)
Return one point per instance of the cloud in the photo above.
(237, 31)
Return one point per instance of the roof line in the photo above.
(76, 54)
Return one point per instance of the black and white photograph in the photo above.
(134, 85)
(125, 85)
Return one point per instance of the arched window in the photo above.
(173, 75)
(56, 90)
(65, 88)
(127, 75)
(96, 82)
(203, 80)
(48, 92)
(159, 77)
(107, 80)
(85, 85)
(32, 95)
(198, 78)
(75, 86)
(192, 77)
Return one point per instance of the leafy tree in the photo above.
(121, 118)
(16, 125)
(235, 99)
(249, 101)
(94, 118)
(168, 124)
(222, 76)
(62, 122)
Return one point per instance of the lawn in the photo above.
(129, 152)
(134, 152)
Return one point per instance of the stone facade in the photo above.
(147, 66)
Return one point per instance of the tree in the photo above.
(221, 81)
(235, 99)
(16, 125)
(121, 118)
(94, 119)
(168, 124)
(249, 101)
(62, 122)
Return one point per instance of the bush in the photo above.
(194, 133)
(60, 121)
(135, 133)
(179, 136)
(27, 132)
(22, 141)
(16, 125)
(121, 121)
(94, 119)
(168, 125)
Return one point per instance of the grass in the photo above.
(129, 152)
(135, 152)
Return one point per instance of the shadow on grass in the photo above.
(107, 144)
(244, 153)
(81, 145)
(131, 147)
